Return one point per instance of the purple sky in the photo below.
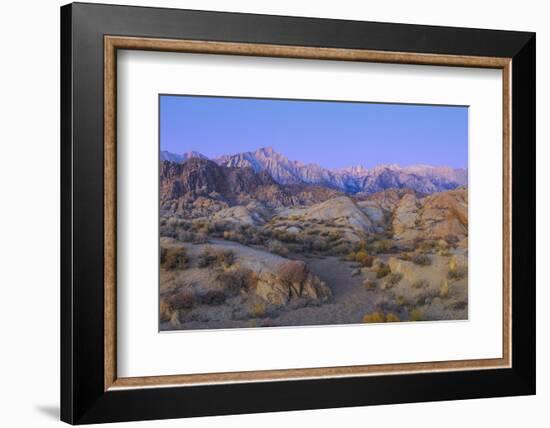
(331, 134)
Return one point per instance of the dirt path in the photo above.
(351, 301)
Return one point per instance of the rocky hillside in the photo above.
(435, 216)
(357, 179)
(199, 180)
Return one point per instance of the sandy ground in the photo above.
(350, 300)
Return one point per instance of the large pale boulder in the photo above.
(239, 214)
(279, 290)
(446, 214)
(341, 210)
(433, 217)
(405, 218)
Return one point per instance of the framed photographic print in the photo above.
(265, 213)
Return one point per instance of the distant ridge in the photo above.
(173, 157)
(352, 180)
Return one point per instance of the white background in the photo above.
(144, 352)
(29, 226)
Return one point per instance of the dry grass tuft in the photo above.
(370, 284)
(364, 259)
(416, 314)
(420, 283)
(444, 289)
(456, 271)
(378, 317)
(214, 257)
(173, 258)
(237, 279)
(421, 260)
(382, 270)
(393, 279)
(258, 310)
(374, 317)
(391, 317)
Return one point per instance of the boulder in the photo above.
(405, 218)
(341, 210)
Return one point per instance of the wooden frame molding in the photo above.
(113, 43)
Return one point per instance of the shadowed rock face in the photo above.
(200, 177)
(197, 178)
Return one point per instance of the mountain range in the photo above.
(352, 180)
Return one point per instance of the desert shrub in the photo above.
(237, 279)
(360, 246)
(405, 256)
(212, 297)
(369, 284)
(186, 236)
(459, 306)
(416, 314)
(277, 247)
(287, 237)
(200, 238)
(319, 244)
(342, 248)
(374, 317)
(384, 246)
(420, 283)
(166, 311)
(364, 259)
(167, 231)
(391, 317)
(400, 300)
(174, 258)
(421, 259)
(225, 258)
(292, 271)
(427, 246)
(456, 271)
(182, 300)
(334, 235)
(349, 257)
(451, 239)
(393, 278)
(184, 224)
(258, 310)
(425, 298)
(214, 257)
(206, 258)
(382, 270)
(444, 289)
(230, 235)
(254, 237)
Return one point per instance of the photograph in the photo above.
(283, 212)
